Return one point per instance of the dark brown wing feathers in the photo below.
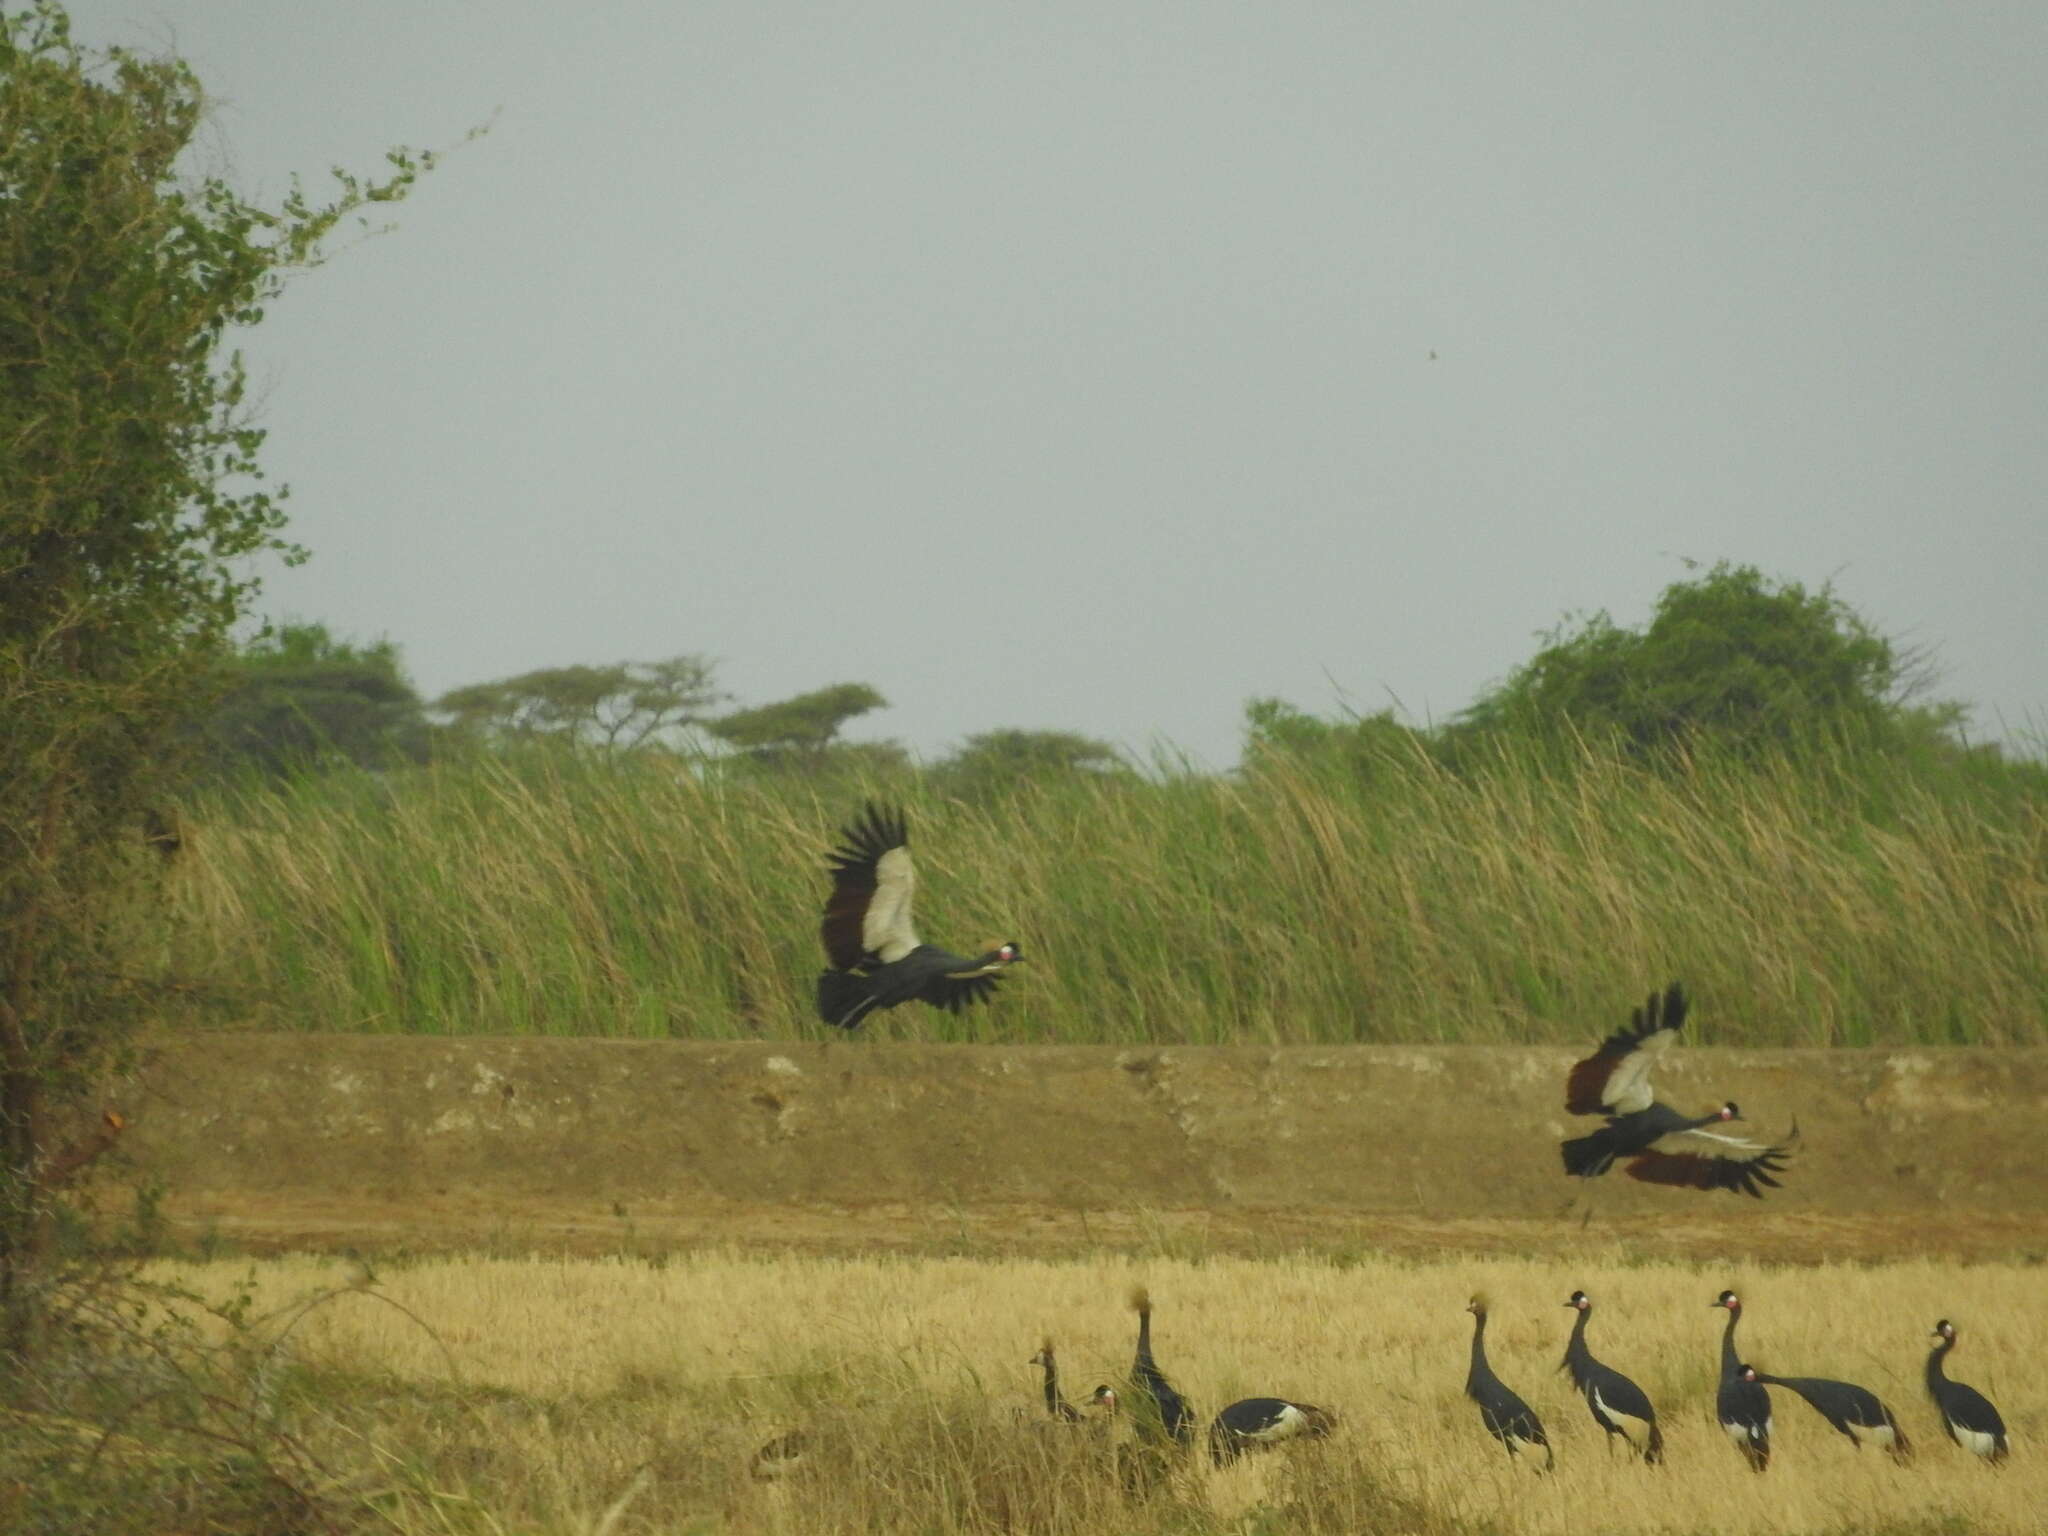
(863, 842)
(1585, 1090)
(1697, 1170)
(954, 993)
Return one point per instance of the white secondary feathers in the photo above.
(1980, 1442)
(1628, 1088)
(1734, 1141)
(885, 929)
(1636, 1431)
(1742, 1434)
(1287, 1423)
(1880, 1435)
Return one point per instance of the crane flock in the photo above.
(877, 961)
(1165, 1421)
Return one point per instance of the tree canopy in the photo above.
(992, 763)
(615, 708)
(1729, 655)
(1730, 660)
(132, 494)
(799, 729)
(298, 697)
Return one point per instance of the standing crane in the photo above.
(1506, 1417)
(1742, 1406)
(1966, 1413)
(1620, 1407)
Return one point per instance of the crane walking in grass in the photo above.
(1166, 1406)
(1618, 1405)
(1262, 1423)
(1740, 1403)
(1055, 1404)
(1506, 1417)
(1966, 1413)
(1854, 1411)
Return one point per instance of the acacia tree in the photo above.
(129, 490)
(615, 708)
(796, 731)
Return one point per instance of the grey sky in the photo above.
(1098, 366)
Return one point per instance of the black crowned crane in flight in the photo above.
(1615, 1081)
(877, 959)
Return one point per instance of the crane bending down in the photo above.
(1261, 1423)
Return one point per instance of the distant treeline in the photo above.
(1818, 867)
(1731, 661)
(296, 699)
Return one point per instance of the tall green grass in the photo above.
(1526, 896)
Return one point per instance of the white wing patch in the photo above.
(1741, 1434)
(1981, 1441)
(1872, 1434)
(1287, 1423)
(1734, 1141)
(1628, 1090)
(1636, 1431)
(886, 930)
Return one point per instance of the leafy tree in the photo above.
(799, 730)
(995, 762)
(1730, 655)
(616, 708)
(1276, 726)
(296, 696)
(131, 491)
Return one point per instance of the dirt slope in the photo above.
(279, 1140)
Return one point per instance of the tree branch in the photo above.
(81, 1154)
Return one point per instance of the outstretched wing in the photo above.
(1615, 1080)
(867, 916)
(1711, 1170)
(954, 993)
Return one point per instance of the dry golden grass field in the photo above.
(610, 1271)
(623, 1395)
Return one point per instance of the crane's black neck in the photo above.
(1936, 1372)
(1478, 1371)
(1576, 1354)
(1731, 1364)
(1052, 1386)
